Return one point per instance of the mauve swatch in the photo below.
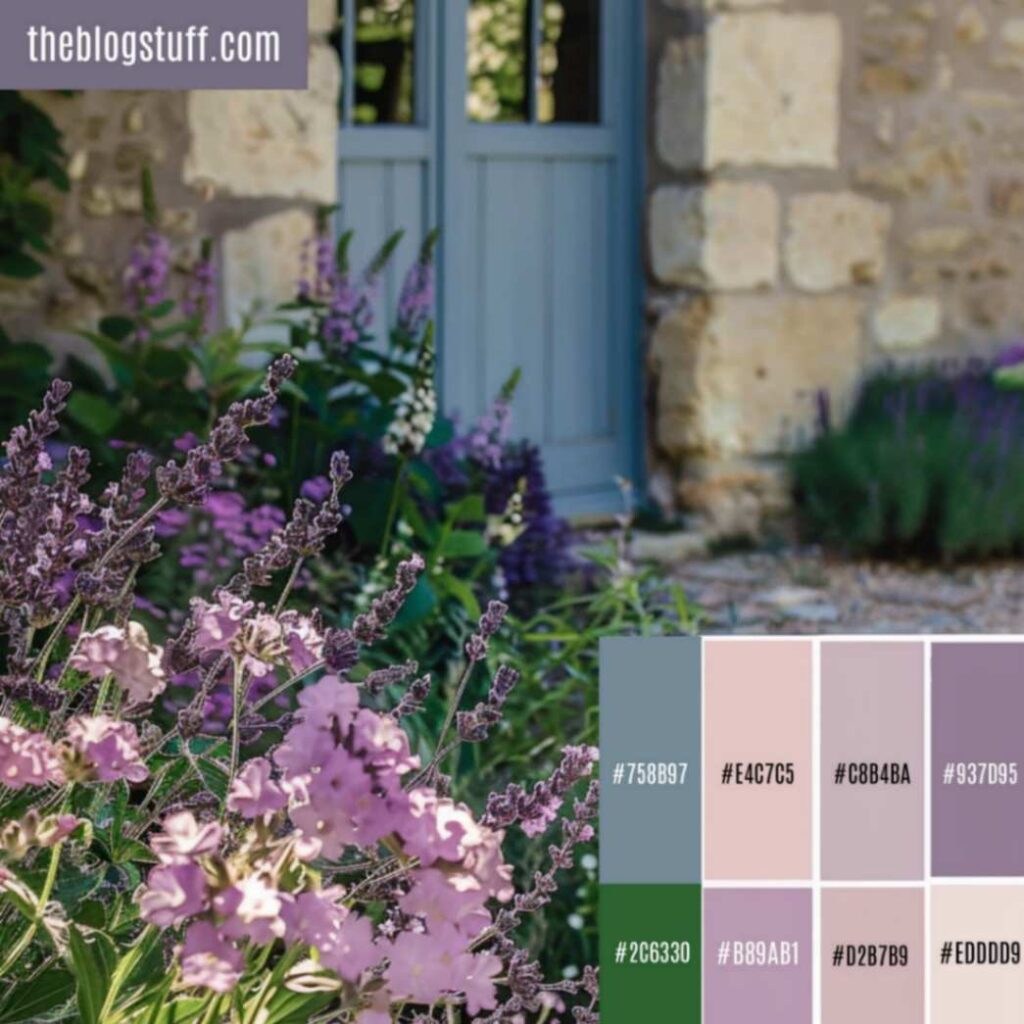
(872, 713)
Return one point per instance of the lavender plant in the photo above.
(927, 466)
(309, 865)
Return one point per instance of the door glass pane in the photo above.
(569, 76)
(498, 60)
(385, 62)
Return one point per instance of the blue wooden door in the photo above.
(511, 124)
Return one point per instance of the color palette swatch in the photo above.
(812, 831)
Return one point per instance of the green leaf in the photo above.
(93, 964)
(295, 1007)
(419, 604)
(30, 1000)
(143, 947)
(215, 777)
(181, 1011)
(92, 412)
(19, 265)
(464, 544)
(117, 328)
(468, 509)
(161, 309)
(464, 592)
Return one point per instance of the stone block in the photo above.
(941, 241)
(908, 321)
(679, 114)
(773, 90)
(722, 235)
(970, 26)
(261, 262)
(738, 375)
(268, 143)
(836, 239)
(323, 16)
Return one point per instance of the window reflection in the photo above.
(385, 62)
(569, 72)
(498, 60)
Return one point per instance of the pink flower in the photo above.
(305, 644)
(438, 902)
(354, 950)
(254, 793)
(379, 1010)
(327, 700)
(183, 839)
(218, 624)
(57, 828)
(315, 918)
(422, 966)
(475, 974)
(438, 828)
(325, 706)
(251, 909)
(27, 758)
(383, 742)
(108, 748)
(485, 865)
(346, 802)
(128, 655)
(260, 644)
(173, 893)
(208, 960)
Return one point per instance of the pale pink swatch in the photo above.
(865, 919)
(758, 710)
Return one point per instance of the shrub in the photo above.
(310, 864)
(929, 465)
(457, 496)
(30, 153)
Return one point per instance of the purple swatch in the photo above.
(758, 956)
(978, 732)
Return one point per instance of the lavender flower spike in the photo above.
(189, 484)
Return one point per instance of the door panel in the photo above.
(580, 310)
(537, 260)
(386, 196)
(510, 279)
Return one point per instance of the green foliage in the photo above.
(30, 154)
(928, 466)
(154, 387)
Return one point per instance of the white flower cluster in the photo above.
(415, 410)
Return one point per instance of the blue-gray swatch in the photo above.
(650, 694)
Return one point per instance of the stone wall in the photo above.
(832, 183)
(247, 168)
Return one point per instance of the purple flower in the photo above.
(208, 960)
(128, 655)
(26, 758)
(254, 793)
(173, 893)
(105, 749)
(316, 489)
(1009, 356)
(201, 290)
(184, 839)
(145, 277)
(540, 555)
(416, 299)
(485, 444)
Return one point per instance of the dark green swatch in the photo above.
(643, 932)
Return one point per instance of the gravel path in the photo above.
(804, 592)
